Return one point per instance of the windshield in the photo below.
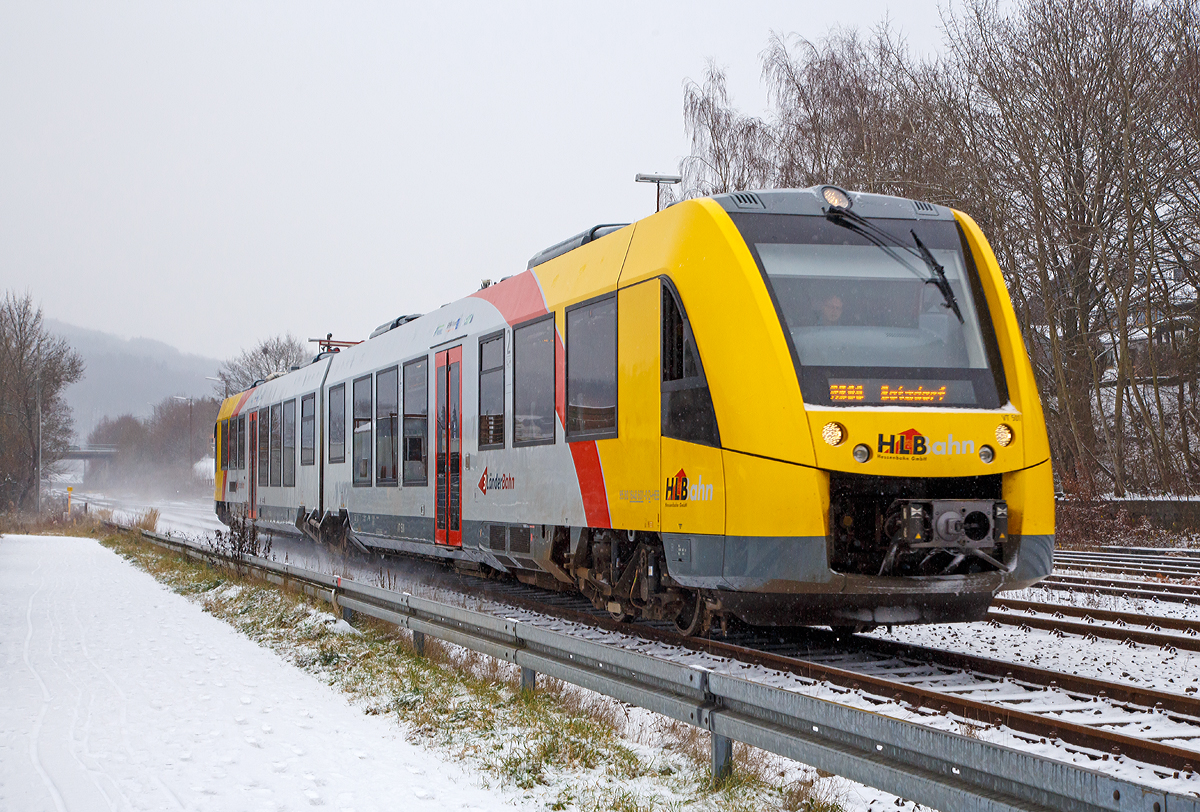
(870, 326)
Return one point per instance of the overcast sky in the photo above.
(208, 174)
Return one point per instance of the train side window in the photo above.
(264, 447)
(224, 432)
(289, 443)
(387, 412)
(308, 429)
(337, 423)
(533, 382)
(687, 409)
(276, 445)
(240, 454)
(416, 421)
(592, 370)
(491, 391)
(362, 431)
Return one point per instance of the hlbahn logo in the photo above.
(496, 482)
(678, 490)
(912, 443)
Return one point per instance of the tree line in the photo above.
(157, 454)
(1070, 131)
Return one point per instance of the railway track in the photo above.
(1163, 591)
(1086, 715)
(1148, 630)
(1142, 564)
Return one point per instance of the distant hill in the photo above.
(128, 375)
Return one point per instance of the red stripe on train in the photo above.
(519, 299)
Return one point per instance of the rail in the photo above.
(935, 768)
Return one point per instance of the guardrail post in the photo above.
(347, 614)
(528, 680)
(419, 643)
(722, 758)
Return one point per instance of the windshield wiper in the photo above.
(885, 240)
(943, 284)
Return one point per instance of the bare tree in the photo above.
(1069, 131)
(729, 151)
(35, 368)
(269, 357)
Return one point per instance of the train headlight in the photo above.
(987, 453)
(836, 197)
(862, 452)
(834, 433)
(1004, 435)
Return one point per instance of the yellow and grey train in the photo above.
(793, 407)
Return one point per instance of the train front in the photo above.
(930, 450)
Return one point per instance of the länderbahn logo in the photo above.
(496, 482)
(912, 443)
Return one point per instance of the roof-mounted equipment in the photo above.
(393, 324)
(571, 243)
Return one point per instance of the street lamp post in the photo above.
(221, 381)
(659, 181)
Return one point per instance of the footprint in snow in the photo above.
(241, 720)
(423, 794)
(253, 742)
(266, 729)
(246, 700)
(279, 766)
(314, 798)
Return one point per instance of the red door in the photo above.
(252, 496)
(448, 459)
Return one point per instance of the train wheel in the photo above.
(690, 620)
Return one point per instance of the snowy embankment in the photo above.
(120, 694)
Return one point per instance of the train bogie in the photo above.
(762, 406)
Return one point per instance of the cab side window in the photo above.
(687, 409)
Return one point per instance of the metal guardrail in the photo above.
(935, 768)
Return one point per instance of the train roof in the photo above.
(811, 201)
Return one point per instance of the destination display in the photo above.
(891, 392)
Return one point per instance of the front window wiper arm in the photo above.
(872, 234)
(942, 282)
(875, 234)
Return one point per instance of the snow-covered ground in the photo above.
(120, 694)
